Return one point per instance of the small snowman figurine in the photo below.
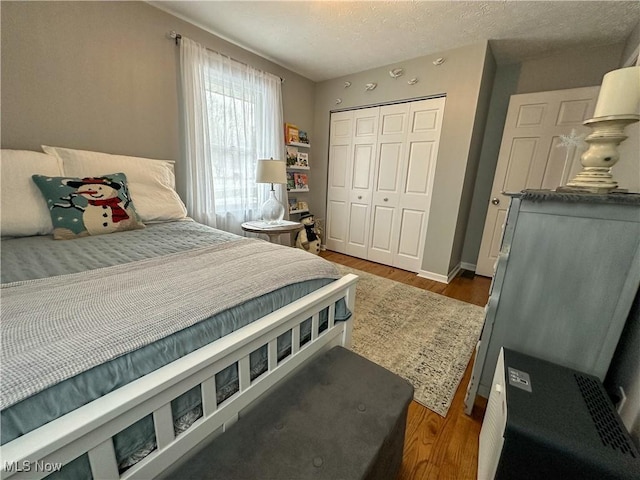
(307, 238)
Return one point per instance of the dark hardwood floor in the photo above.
(436, 447)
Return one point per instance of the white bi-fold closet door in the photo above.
(381, 166)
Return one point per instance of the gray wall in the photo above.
(504, 86)
(573, 68)
(460, 77)
(475, 150)
(103, 76)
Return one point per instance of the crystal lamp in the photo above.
(271, 171)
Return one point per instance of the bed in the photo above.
(122, 352)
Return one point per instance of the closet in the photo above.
(382, 163)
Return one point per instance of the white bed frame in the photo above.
(91, 427)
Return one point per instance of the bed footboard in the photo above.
(90, 428)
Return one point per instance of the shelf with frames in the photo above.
(298, 165)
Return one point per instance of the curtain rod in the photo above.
(177, 37)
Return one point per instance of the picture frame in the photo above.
(291, 133)
(292, 156)
(302, 160)
(301, 181)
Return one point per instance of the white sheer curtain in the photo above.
(232, 116)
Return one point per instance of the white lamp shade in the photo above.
(620, 93)
(271, 171)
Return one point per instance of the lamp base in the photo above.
(608, 133)
(594, 180)
(272, 210)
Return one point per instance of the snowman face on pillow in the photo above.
(97, 191)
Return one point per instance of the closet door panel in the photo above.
(336, 227)
(341, 127)
(339, 180)
(388, 169)
(385, 202)
(363, 156)
(382, 243)
(366, 124)
(338, 167)
(420, 161)
(409, 247)
(358, 238)
(360, 200)
(423, 136)
(364, 139)
(394, 120)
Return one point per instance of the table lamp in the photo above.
(271, 171)
(618, 106)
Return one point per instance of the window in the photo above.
(232, 117)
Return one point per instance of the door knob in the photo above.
(359, 197)
(386, 199)
(495, 201)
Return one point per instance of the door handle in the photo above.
(386, 199)
(359, 197)
(495, 201)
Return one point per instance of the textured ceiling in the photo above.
(327, 39)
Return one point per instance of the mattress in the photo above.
(33, 258)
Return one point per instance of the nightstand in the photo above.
(272, 231)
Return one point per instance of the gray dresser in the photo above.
(565, 279)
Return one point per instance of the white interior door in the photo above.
(339, 181)
(529, 158)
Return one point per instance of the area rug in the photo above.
(424, 337)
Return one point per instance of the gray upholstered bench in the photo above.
(339, 417)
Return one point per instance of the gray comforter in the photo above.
(54, 328)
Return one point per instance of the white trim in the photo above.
(468, 266)
(439, 277)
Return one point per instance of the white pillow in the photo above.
(151, 182)
(23, 209)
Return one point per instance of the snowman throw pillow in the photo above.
(88, 206)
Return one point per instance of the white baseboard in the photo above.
(468, 266)
(439, 277)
